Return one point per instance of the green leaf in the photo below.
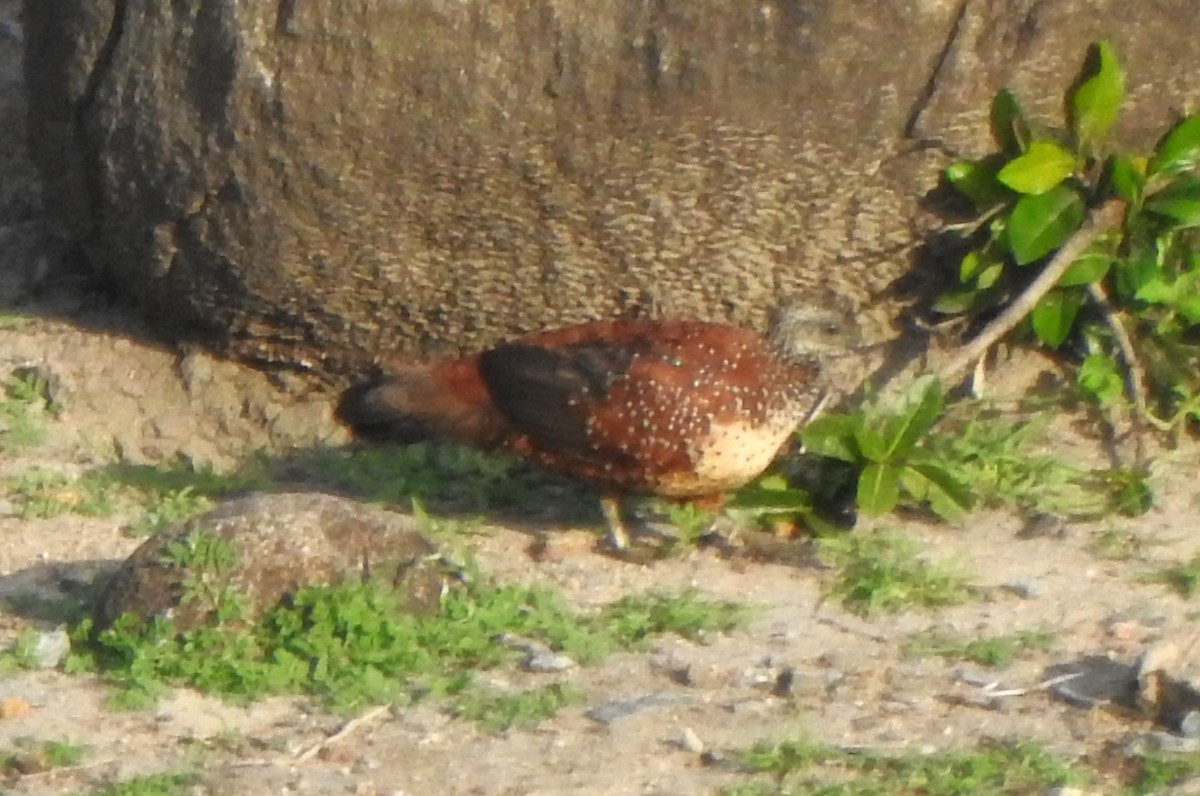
(1157, 291)
(976, 180)
(1099, 377)
(1044, 166)
(1095, 103)
(878, 489)
(1126, 180)
(989, 276)
(1137, 268)
(1179, 149)
(1009, 127)
(1040, 223)
(1178, 201)
(1189, 307)
(906, 429)
(832, 436)
(915, 484)
(955, 302)
(1088, 268)
(969, 266)
(947, 496)
(871, 444)
(1054, 315)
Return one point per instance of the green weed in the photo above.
(29, 755)
(883, 573)
(995, 652)
(496, 711)
(353, 644)
(154, 785)
(801, 767)
(1183, 579)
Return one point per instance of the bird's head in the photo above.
(806, 331)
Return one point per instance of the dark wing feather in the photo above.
(546, 392)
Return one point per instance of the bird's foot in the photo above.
(621, 544)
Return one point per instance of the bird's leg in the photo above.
(617, 537)
(723, 531)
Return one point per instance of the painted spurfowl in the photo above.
(677, 408)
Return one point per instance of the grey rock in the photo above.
(619, 709)
(51, 648)
(324, 185)
(1025, 589)
(281, 543)
(538, 657)
(563, 161)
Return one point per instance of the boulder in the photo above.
(267, 547)
(324, 185)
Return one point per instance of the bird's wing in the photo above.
(546, 392)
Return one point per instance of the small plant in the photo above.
(24, 406)
(882, 573)
(495, 711)
(802, 767)
(154, 785)
(995, 652)
(353, 644)
(172, 508)
(1163, 772)
(1122, 544)
(21, 656)
(31, 756)
(1134, 293)
(888, 446)
(1005, 460)
(44, 494)
(1183, 579)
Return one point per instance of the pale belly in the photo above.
(730, 455)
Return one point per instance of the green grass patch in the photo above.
(353, 644)
(43, 494)
(496, 711)
(1183, 579)
(31, 756)
(994, 652)
(1005, 461)
(21, 655)
(801, 767)
(24, 409)
(179, 784)
(1122, 544)
(1162, 772)
(884, 573)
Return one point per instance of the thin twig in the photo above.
(350, 727)
(1104, 218)
(1137, 374)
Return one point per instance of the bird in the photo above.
(677, 408)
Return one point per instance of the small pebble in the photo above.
(51, 648)
(14, 707)
(1189, 725)
(538, 657)
(690, 741)
(1025, 589)
(1043, 526)
(976, 677)
(618, 709)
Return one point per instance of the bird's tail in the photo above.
(414, 403)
